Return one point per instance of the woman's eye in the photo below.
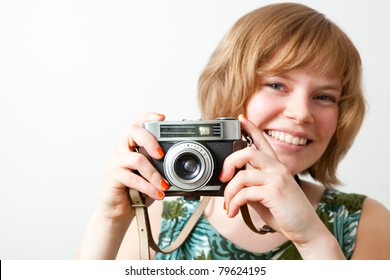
(326, 98)
(275, 86)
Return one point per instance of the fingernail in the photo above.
(220, 175)
(164, 184)
(160, 195)
(160, 152)
(244, 116)
(159, 115)
(225, 208)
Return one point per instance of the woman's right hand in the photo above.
(121, 176)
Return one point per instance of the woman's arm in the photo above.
(103, 237)
(113, 214)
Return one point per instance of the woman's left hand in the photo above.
(269, 187)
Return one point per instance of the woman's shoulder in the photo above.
(373, 238)
(362, 222)
(375, 211)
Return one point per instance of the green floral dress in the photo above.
(339, 211)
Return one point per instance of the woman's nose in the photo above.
(298, 109)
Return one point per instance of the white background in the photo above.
(74, 74)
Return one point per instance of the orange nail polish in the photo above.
(160, 195)
(224, 206)
(160, 152)
(244, 116)
(159, 115)
(164, 184)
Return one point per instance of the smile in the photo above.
(287, 138)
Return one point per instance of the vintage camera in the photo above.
(194, 153)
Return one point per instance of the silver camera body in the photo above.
(194, 153)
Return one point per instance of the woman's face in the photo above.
(298, 112)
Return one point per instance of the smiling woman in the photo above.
(300, 106)
(293, 79)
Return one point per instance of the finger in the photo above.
(257, 136)
(246, 195)
(135, 161)
(237, 160)
(272, 190)
(139, 122)
(148, 117)
(242, 179)
(143, 138)
(131, 180)
(252, 196)
(245, 179)
(136, 135)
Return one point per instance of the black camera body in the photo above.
(194, 154)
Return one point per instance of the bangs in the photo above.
(316, 44)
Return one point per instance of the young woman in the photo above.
(293, 79)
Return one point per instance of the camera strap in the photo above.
(248, 221)
(145, 236)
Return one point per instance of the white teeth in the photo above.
(287, 138)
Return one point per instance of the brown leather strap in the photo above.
(247, 219)
(142, 221)
(144, 230)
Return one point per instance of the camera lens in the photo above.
(187, 166)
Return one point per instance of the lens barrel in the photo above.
(188, 165)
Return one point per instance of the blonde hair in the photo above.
(279, 38)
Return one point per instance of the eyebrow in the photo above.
(331, 87)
